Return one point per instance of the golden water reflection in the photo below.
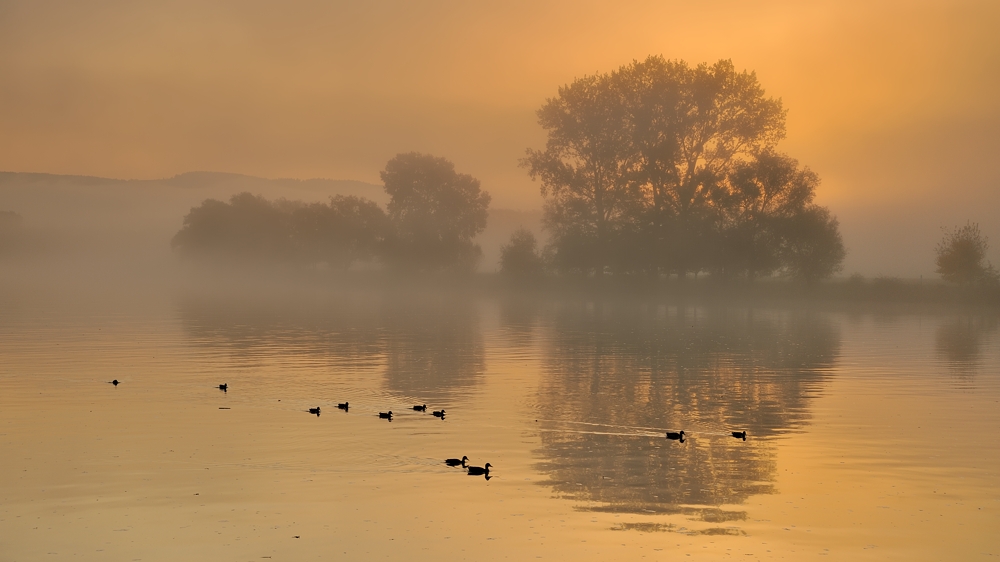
(709, 372)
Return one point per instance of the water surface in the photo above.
(871, 435)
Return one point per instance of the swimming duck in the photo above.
(480, 470)
(676, 436)
(740, 435)
(314, 410)
(456, 462)
(224, 387)
(343, 406)
(114, 382)
(385, 415)
(421, 408)
(439, 413)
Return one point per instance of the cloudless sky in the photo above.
(894, 104)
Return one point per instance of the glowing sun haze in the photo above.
(894, 104)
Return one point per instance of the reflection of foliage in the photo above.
(671, 528)
(425, 348)
(433, 347)
(703, 371)
(960, 341)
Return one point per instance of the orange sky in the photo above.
(884, 98)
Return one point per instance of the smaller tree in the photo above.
(520, 257)
(812, 248)
(961, 256)
(435, 213)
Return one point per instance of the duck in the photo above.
(480, 470)
(114, 382)
(385, 415)
(439, 413)
(314, 410)
(420, 408)
(224, 387)
(740, 435)
(343, 406)
(456, 462)
(676, 436)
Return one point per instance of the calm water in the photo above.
(871, 435)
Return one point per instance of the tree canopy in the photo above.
(249, 227)
(661, 167)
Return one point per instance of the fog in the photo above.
(891, 105)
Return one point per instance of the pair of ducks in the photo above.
(679, 436)
(472, 470)
(316, 410)
(423, 408)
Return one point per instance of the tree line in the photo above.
(657, 168)
(432, 217)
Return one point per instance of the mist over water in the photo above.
(706, 281)
(847, 415)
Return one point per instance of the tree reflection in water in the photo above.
(960, 341)
(425, 347)
(705, 370)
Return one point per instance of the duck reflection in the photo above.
(616, 375)
(424, 347)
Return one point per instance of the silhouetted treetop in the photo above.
(961, 256)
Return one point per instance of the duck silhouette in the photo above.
(343, 406)
(439, 413)
(114, 382)
(421, 408)
(740, 435)
(224, 387)
(676, 436)
(314, 410)
(385, 415)
(456, 462)
(480, 470)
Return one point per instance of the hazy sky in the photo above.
(894, 104)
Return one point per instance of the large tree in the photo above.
(586, 172)
(664, 167)
(435, 212)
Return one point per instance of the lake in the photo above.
(871, 434)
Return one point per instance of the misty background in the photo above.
(894, 105)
